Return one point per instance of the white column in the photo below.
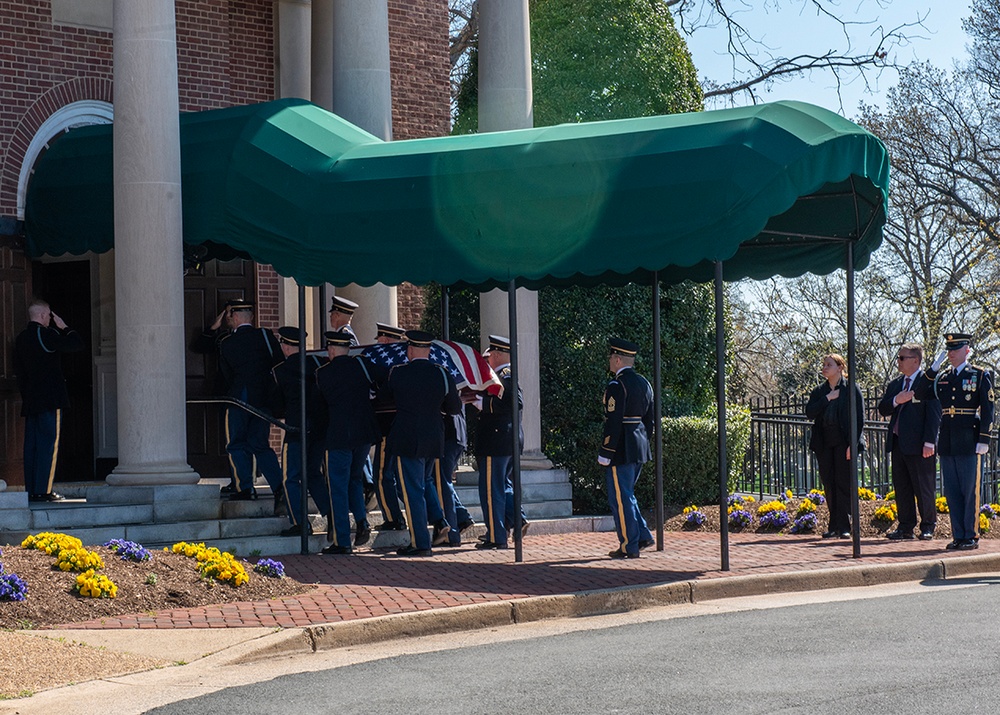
(505, 102)
(322, 54)
(152, 437)
(294, 54)
(294, 48)
(362, 94)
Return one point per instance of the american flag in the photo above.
(467, 367)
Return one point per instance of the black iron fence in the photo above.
(779, 458)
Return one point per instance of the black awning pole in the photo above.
(322, 320)
(853, 411)
(303, 447)
(515, 421)
(657, 435)
(445, 314)
(720, 398)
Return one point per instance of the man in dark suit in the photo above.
(38, 366)
(914, 418)
(348, 384)
(422, 391)
(628, 422)
(246, 357)
(495, 448)
(967, 404)
(289, 377)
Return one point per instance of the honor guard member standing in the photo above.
(246, 357)
(966, 394)
(289, 377)
(341, 312)
(348, 385)
(422, 391)
(495, 448)
(914, 418)
(38, 366)
(386, 480)
(628, 422)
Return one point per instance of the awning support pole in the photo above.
(657, 435)
(720, 399)
(853, 411)
(303, 447)
(515, 420)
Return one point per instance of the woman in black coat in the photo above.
(829, 410)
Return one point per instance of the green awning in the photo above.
(771, 189)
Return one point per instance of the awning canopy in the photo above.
(771, 189)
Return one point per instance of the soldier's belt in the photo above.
(953, 411)
(631, 420)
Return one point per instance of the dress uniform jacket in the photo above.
(246, 357)
(289, 379)
(628, 418)
(966, 408)
(915, 423)
(422, 391)
(347, 383)
(38, 366)
(496, 421)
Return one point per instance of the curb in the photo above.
(594, 603)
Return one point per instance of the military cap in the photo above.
(337, 338)
(498, 342)
(239, 304)
(954, 341)
(622, 347)
(389, 331)
(419, 339)
(289, 335)
(342, 305)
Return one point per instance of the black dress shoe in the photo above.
(362, 534)
(845, 535)
(297, 530)
(646, 543)
(967, 545)
(490, 546)
(830, 534)
(953, 545)
(899, 535)
(393, 526)
(524, 527)
(338, 550)
(926, 535)
(451, 544)
(619, 554)
(245, 495)
(441, 530)
(465, 526)
(413, 551)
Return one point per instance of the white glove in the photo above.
(982, 448)
(604, 461)
(478, 403)
(939, 360)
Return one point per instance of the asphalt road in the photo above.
(923, 649)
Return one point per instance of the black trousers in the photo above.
(834, 472)
(913, 478)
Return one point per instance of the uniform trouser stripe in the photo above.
(621, 508)
(406, 503)
(232, 464)
(437, 482)
(383, 502)
(55, 453)
(332, 519)
(979, 482)
(489, 497)
(284, 483)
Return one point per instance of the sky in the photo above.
(792, 31)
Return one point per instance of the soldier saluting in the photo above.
(966, 394)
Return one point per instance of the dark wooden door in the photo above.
(15, 293)
(206, 290)
(65, 286)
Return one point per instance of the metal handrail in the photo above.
(255, 411)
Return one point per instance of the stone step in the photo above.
(465, 476)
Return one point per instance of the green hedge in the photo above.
(691, 458)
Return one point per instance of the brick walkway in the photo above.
(376, 584)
